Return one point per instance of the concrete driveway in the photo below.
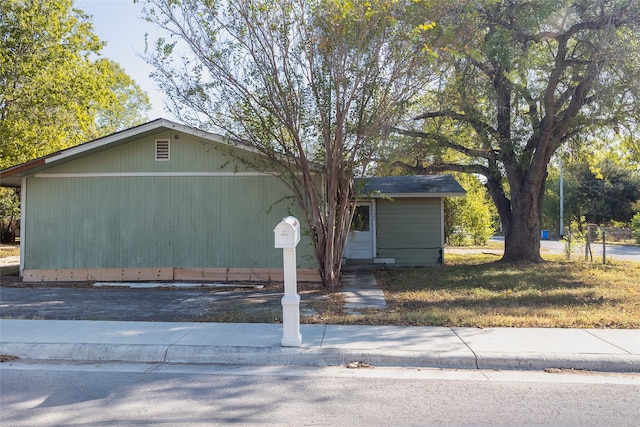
(158, 305)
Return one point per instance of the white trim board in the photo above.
(146, 174)
(145, 285)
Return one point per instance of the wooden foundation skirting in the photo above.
(166, 274)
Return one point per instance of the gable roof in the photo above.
(11, 177)
(390, 186)
(410, 186)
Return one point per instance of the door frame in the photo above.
(372, 231)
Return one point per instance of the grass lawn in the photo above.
(9, 250)
(476, 291)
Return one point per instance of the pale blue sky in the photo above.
(119, 24)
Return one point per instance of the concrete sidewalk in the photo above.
(259, 344)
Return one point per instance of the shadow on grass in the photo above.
(9, 270)
(495, 276)
(497, 302)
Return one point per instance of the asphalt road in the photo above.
(615, 252)
(112, 394)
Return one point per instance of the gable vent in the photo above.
(162, 149)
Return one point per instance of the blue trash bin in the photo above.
(545, 234)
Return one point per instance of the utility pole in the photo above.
(561, 201)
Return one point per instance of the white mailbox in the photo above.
(287, 233)
(287, 236)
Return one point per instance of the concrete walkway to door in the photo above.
(362, 291)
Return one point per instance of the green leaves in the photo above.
(54, 93)
(470, 216)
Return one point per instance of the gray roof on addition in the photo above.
(410, 186)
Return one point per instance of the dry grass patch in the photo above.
(477, 291)
(7, 250)
(473, 291)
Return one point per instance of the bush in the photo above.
(469, 219)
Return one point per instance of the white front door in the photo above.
(360, 239)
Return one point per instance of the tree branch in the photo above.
(443, 167)
(478, 125)
(444, 141)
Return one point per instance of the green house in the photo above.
(399, 220)
(164, 201)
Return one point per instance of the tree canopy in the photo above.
(312, 85)
(518, 80)
(605, 193)
(55, 90)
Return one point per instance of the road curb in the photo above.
(76, 352)
(308, 356)
(539, 361)
(236, 355)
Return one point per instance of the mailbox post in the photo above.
(287, 236)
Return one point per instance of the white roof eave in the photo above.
(128, 133)
(409, 195)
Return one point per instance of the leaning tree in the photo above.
(311, 85)
(517, 81)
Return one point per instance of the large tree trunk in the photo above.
(522, 232)
(521, 215)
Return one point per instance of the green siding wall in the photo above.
(76, 222)
(409, 231)
(188, 154)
